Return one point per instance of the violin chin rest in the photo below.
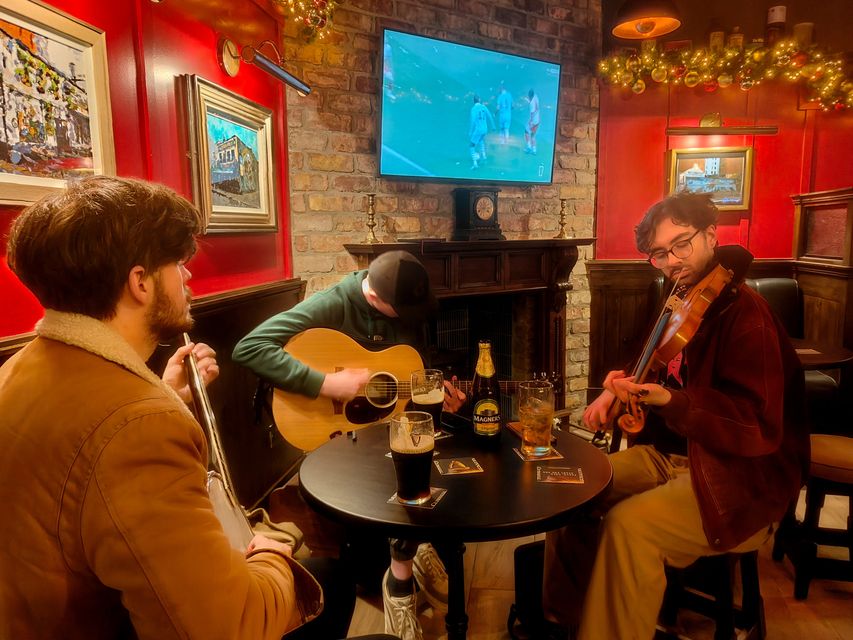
(735, 258)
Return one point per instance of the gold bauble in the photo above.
(638, 87)
(659, 74)
(632, 63)
(691, 79)
(725, 79)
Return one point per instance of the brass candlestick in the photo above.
(563, 235)
(371, 219)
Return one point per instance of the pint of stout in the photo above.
(412, 443)
(428, 393)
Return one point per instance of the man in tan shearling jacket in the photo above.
(107, 530)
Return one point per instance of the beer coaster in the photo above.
(435, 496)
(454, 466)
(554, 455)
(560, 475)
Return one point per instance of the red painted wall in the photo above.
(148, 47)
(811, 152)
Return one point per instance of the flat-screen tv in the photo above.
(463, 114)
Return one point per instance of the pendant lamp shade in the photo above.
(639, 19)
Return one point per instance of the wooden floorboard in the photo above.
(827, 614)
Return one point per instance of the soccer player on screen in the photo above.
(532, 123)
(504, 113)
(479, 123)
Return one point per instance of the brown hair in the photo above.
(74, 250)
(683, 208)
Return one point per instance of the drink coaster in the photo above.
(553, 455)
(435, 496)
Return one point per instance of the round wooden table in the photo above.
(351, 480)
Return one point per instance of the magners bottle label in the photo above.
(487, 417)
(486, 398)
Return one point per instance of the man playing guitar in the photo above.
(380, 306)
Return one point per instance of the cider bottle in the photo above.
(486, 398)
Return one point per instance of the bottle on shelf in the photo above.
(486, 398)
(716, 36)
(775, 30)
(735, 40)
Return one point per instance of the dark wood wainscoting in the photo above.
(258, 457)
(827, 302)
(621, 313)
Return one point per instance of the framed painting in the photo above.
(723, 172)
(231, 145)
(55, 121)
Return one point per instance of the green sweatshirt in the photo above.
(342, 307)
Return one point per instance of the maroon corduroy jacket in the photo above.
(742, 414)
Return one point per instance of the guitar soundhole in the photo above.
(381, 390)
(381, 393)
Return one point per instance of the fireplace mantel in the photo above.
(464, 268)
(483, 267)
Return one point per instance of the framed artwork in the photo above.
(55, 120)
(233, 172)
(724, 172)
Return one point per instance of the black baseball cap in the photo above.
(400, 280)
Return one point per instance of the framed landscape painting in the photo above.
(230, 141)
(55, 122)
(723, 172)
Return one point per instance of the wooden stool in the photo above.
(706, 588)
(831, 473)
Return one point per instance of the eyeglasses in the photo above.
(681, 249)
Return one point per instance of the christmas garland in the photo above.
(823, 74)
(312, 16)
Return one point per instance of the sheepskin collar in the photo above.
(101, 340)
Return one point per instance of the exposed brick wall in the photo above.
(332, 137)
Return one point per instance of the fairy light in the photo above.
(822, 73)
(313, 17)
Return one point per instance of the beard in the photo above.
(165, 318)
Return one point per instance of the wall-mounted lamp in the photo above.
(638, 19)
(251, 55)
(230, 57)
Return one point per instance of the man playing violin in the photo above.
(724, 451)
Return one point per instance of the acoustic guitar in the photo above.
(306, 423)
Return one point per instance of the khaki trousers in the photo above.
(608, 574)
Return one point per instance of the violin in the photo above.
(676, 325)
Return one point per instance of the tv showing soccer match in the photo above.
(458, 113)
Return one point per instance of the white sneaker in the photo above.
(401, 617)
(431, 576)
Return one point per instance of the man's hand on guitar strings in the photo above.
(344, 384)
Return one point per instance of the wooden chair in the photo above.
(831, 473)
(706, 587)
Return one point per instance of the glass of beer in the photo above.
(412, 442)
(428, 393)
(536, 413)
